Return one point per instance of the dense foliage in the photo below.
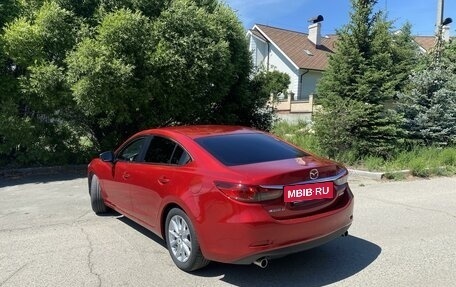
(267, 85)
(77, 77)
(358, 89)
(429, 104)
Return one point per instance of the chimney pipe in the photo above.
(446, 33)
(315, 30)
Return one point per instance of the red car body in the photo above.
(237, 209)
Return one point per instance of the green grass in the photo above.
(300, 134)
(420, 161)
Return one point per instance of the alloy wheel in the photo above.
(180, 239)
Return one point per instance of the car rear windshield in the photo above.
(239, 149)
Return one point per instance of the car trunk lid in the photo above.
(272, 176)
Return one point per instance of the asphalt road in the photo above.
(404, 234)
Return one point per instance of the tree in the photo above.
(109, 78)
(9, 9)
(358, 88)
(138, 72)
(35, 46)
(84, 75)
(267, 86)
(191, 61)
(11, 128)
(429, 106)
(241, 104)
(449, 55)
(405, 56)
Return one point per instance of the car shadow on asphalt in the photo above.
(330, 263)
(144, 231)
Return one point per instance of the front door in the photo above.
(120, 185)
(156, 178)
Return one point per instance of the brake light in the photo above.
(247, 193)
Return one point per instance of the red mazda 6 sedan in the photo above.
(223, 193)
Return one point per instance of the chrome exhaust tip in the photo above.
(262, 262)
(345, 234)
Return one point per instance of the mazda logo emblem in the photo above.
(313, 174)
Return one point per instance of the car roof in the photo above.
(196, 131)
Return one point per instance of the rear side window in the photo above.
(239, 149)
(165, 151)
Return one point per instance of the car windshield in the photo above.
(240, 149)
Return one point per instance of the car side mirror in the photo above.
(107, 156)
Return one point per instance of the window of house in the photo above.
(308, 86)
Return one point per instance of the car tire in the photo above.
(96, 199)
(182, 242)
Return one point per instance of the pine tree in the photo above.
(429, 106)
(357, 90)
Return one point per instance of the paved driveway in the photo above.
(404, 234)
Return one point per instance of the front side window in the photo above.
(132, 151)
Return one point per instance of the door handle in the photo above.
(126, 175)
(163, 180)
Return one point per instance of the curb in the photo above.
(404, 173)
(366, 174)
(378, 175)
(19, 172)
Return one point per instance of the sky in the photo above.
(293, 14)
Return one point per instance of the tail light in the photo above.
(247, 193)
(341, 180)
(342, 176)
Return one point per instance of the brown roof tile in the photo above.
(258, 34)
(426, 42)
(294, 44)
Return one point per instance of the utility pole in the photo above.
(439, 29)
(440, 7)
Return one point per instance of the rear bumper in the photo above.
(247, 234)
(276, 253)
